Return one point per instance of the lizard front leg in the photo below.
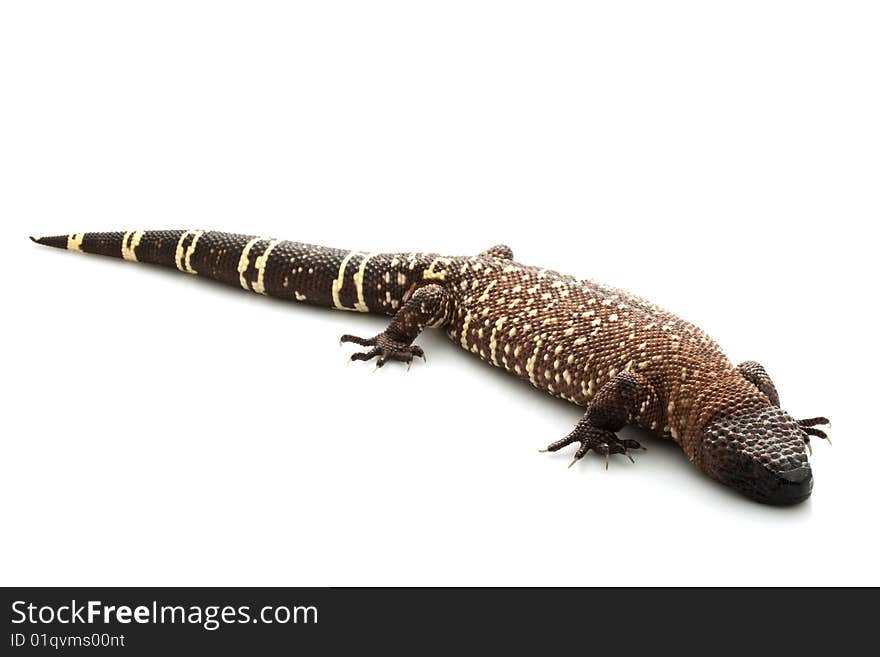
(755, 373)
(428, 306)
(615, 405)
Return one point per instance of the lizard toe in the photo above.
(600, 441)
(385, 348)
(808, 428)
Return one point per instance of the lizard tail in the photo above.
(323, 276)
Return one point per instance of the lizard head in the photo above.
(759, 451)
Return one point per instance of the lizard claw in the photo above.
(384, 349)
(808, 428)
(600, 441)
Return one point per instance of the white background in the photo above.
(718, 158)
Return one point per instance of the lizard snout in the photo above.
(761, 453)
(792, 486)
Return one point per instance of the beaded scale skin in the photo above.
(624, 359)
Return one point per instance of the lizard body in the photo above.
(624, 359)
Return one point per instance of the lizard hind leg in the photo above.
(501, 251)
(428, 306)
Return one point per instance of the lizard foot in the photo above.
(600, 441)
(384, 349)
(808, 427)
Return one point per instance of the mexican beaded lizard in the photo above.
(624, 359)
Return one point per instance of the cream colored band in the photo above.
(130, 242)
(74, 242)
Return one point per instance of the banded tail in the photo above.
(328, 277)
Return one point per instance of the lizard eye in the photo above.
(761, 453)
